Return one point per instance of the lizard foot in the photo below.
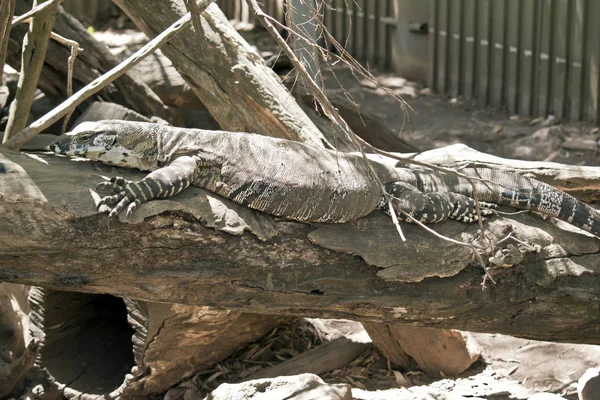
(130, 195)
(466, 211)
(114, 185)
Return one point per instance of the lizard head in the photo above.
(111, 142)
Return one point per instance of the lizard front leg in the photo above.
(162, 183)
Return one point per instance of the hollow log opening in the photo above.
(87, 341)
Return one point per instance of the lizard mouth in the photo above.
(63, 145)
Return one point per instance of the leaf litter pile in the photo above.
(369, 371)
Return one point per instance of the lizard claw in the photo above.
(132, 206)
(114, 185)
(126, 197)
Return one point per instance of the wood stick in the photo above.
(69, 104)
(34, 52)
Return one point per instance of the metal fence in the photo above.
(363, 27)
(534, 57)
(238, 10)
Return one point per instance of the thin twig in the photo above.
(99, 83)
(395, 218)
(31, 13)
(75, 49)
(192, 7)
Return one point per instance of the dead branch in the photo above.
(128, 90)
(7, 9)
(34, 52)
(68, 105)
(29, 14)
(230, 78)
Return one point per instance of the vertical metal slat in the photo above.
(585, 63)
(497, 53)
(469, 48)
(377, 42)
(390, 12)
(433, 44)
(593, 72)
(513, 55)
(455, 39)
(484, 51)
(561, 21)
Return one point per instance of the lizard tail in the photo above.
(518, 191)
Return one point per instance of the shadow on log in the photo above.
(98, 346)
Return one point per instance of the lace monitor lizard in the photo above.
(298, 181)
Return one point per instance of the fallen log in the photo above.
(17, 347)
(199, 249)
(324, 358)
(87, 350)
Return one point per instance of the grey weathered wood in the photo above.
(437, 352)
(173, 341)
(35, 44)
(90, 343)
(92, 62)
(230, 78)
(564, 177)
(18, 349)
(7, 9)
(53, 237)
(324, 358)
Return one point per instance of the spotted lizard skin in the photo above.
(298, 181)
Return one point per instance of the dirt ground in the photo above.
(433, 120)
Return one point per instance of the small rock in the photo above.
(369, 84)
(392, 82)
(588, 386)
(297, 387)
(580, 145)
(545, 396)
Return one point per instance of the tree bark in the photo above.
(86, 342)
(35, 44)
(7, 9)
(231, 79)
(194, 250)
(17, 347)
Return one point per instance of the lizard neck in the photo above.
(176, 142)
